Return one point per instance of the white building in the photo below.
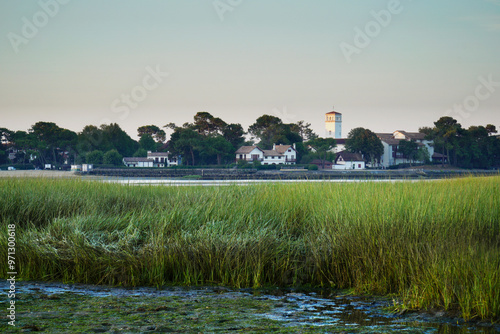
(333, 125)
(154, 159)
(340, 145)
(279, 155)
(347, 160)
(138, 162)
(163, 159)
(390, 141)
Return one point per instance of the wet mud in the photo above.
(78, 308)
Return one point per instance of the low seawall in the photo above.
(253, 174)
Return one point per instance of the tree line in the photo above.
(209, 140)
(474, 147)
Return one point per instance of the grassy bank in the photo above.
(435, 244)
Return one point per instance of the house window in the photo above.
(359, 165)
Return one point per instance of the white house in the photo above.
(154, 159)
(340, 145)
(279, 155)
(163, 159)
(250, 153)
(138, 162)
(348, 160)
(390, 141)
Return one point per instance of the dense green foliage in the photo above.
(435, 244)
(209, 140)
(475, 147)
(323, 148)
(366, 142)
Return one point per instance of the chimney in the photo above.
(274, 147)
(293, 145)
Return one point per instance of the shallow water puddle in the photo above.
(63, 308)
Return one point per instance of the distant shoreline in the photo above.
(225, 174)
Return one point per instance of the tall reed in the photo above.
(436, 244)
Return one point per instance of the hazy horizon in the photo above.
(387, 65)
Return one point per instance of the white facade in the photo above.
(349, 161)
(390, 142)
(154, 159)
(333, 125)
(138, 162)
(250, 153)
(163, 159)
(279, 155)
(87, 167)
(349, 165)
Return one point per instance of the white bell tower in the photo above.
(333, 125)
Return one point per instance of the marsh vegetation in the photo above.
(434, 245)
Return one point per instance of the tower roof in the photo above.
(333, 113)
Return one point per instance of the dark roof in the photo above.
(413, 135)
(388, 138)
(348, 156)
(137, 160)
(340, 141)
(158, 154)
(436, 155)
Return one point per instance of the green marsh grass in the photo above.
(435, 244)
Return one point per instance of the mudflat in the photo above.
(36, 173)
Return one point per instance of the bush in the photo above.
(312, 167)
(17, 166)
(141, 153)
(94, 157)
(112, 157)
(243, 164)
(268, 167)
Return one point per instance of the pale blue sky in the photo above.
(280, 57)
